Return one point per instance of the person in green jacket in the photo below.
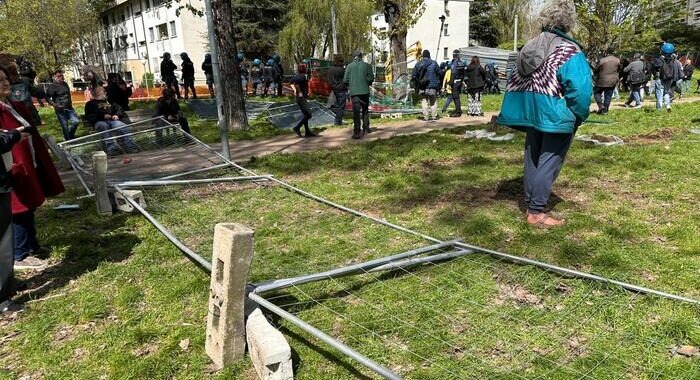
(358, 77)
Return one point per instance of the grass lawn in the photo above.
(120, 299)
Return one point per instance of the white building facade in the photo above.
(427, 31)
(136, 33)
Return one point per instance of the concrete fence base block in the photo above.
(99, 172)
(268, 349)
(123, 205)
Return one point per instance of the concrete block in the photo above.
(135, 195)
(232, 256)
(99, 172)
(268, 349)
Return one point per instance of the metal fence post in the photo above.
(99, 172)
(232, 256)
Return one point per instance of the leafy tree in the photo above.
(504, 12)
(482, 27)
(684, 37)
(258, 24)
(400, 15)
(308, 32)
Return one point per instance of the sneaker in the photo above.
(356, 137)
(9, 307)
(30, 263)
(668, 108)
(638, 106)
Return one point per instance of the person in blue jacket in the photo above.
(426, 79)
(548, 96)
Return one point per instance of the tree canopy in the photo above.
(482, 27)
(258, 24)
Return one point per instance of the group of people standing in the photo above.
(265, 79)
(663, 76)
(428, 80)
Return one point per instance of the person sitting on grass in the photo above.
(168, 109)
(548, 97)
(106, 117)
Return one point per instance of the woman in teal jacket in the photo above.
(548, 97)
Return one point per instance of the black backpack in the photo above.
(667, 70)
(422, 80)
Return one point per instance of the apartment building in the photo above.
(136, 33)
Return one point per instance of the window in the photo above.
(105, 20)
(157, 3)
(446, 52)
(123, 41)
(162, 31)
(148, 4)
(123, 15)
(445, 29)
(173, 32)
(151, 34)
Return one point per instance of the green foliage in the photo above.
(482, 25)
(45, 31)
(308, 32)
(683, 36)
(147, 80)
(401, 15)
(258, 24)
(504, 12)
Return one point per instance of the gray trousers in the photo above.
(7, 257)
(544, 157)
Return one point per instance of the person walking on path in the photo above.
(476, 81)
(358, 77)
(300, 85)
(607, 75)
(426, 78)
(458, 68)
(58, 95)
(688, 69)
(335, 77)
(669, 73)
(167, 73)
(635, 77)
(208, 70)
(279, 73)
(548, 97)
(256, 74)
(447, 88)
(188, 75)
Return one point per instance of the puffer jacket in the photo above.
(551, 89)
(432, 73)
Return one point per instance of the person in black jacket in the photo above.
(106, 118)
(335, 77)
(167, 74)
(209, 73)
(24, 88)
(279, 73)
(300, 86)
(476, 81)
(188, 75)
(457, 82)
(58, 95)
(168, 109)
(269, 78)
(118, 92)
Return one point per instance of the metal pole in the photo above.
(574, 273)
(442, 28)
(192, 181)
(515, 39)
(201, 262)
(333, 29)
(421, 260)
(365, 361)
(223, 126)
(348, 270)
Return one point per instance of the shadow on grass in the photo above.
(88, 241)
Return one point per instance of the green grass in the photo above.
(123, 297)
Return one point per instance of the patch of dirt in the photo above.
(687, 351)
(603, 138)
(200, 191)
(576, 346)
(656, 136)
(145, 350)
(518, 295)
(64, 334)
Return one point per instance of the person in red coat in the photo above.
(34, 176)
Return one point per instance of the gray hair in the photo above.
(560, 14)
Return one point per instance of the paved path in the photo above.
(336, 137)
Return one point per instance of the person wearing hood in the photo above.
(188, 75)
(607, 75)
(358, 77)
(636, 76)
(335, 77)
(426, 79)
(279, 73)
(476, 81)
(208, 70)
(167, 73)
(548, 96)
(118, 91)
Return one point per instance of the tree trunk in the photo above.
(398, 52)
(233, 102)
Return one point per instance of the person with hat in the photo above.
(188, 75)
(358, 77)
(669, 73)
(636, 76)
(269, 85)
(167, 73)
(426, 80)
(208, 69)
(256, 73)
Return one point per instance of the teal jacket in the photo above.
(358, 77)
(551, 88)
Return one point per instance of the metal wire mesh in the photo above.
(477, 317)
